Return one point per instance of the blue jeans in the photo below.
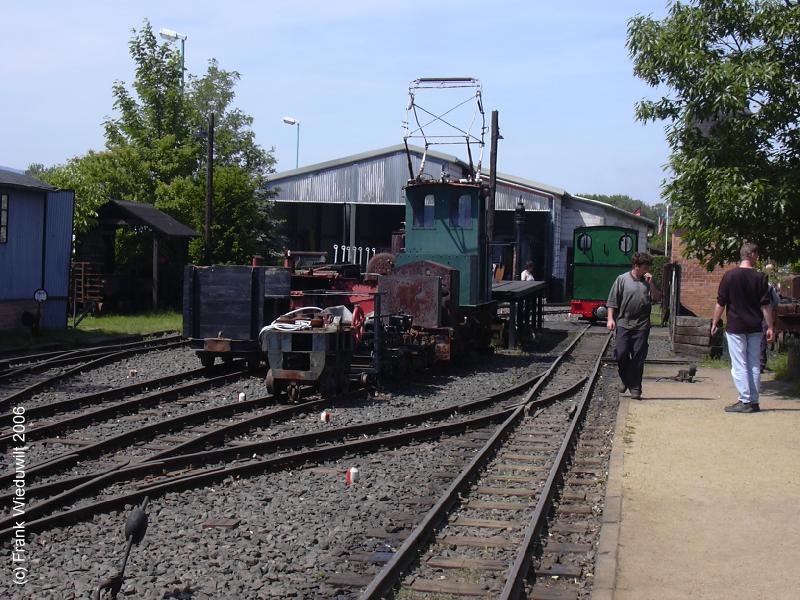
(745, 351)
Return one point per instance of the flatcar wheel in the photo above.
(269, 381)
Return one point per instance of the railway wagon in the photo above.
(326, 325)
(601, 253)
(428, 303)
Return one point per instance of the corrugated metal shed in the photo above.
(378, 177)
(369, 178)
(37, 252)
(21, 255)
(60, 209)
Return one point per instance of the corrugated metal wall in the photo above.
(507, 197)
(21, 256)
(60, 207)
(378, 180)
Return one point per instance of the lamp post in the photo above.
(293, 121)
(170, 35)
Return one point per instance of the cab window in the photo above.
(461, 212)
(423, 212)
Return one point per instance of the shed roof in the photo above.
(139, 213)
(616, 209)
(20, 180)
(512, 180)
(353, 158)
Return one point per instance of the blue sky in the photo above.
(558, 73)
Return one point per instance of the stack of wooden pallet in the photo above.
(692, 335)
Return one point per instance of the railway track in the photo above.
(233, 456)
(22, 383)
(185, 452)
(35, 360)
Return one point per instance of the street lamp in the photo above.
(293, 121)
(170, 35)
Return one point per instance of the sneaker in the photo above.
(741, 407)
(636, 393)
(755, 407)
(622, 388)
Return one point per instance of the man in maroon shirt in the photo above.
(744, 292)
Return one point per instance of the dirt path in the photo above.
(711, 501)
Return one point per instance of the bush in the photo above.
(658, 270)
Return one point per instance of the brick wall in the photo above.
(11, 313)
(698, 285)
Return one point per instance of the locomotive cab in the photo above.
(446, 224)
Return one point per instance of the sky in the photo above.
(558, 73)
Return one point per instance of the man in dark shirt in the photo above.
(629, 303)
(744, 292)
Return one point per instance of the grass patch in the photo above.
(92, 330)
(655, 315)
(133, 324)
(780, 364)
(715, 363)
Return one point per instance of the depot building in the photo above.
(358, 201)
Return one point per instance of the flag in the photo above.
(638, 212)
(660, 224)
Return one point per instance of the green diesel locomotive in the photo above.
(600, 254)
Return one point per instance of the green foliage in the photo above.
(156, 154)
(731, 71)
(658, 270)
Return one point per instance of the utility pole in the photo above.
(490, 203)
(492, 178)
(209, 186)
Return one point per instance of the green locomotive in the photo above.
(600, 254)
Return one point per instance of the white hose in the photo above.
(296, 326)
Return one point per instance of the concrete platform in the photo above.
(702, 504)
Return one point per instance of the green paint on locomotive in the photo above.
(600, 254)
(445, 223)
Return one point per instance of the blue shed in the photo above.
(35, 248)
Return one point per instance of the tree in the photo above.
(731, 71)
(155, 153)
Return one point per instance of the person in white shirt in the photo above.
(527, 274)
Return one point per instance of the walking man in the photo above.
(629, 303)
(744, 292)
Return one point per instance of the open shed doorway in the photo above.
(535, 244)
